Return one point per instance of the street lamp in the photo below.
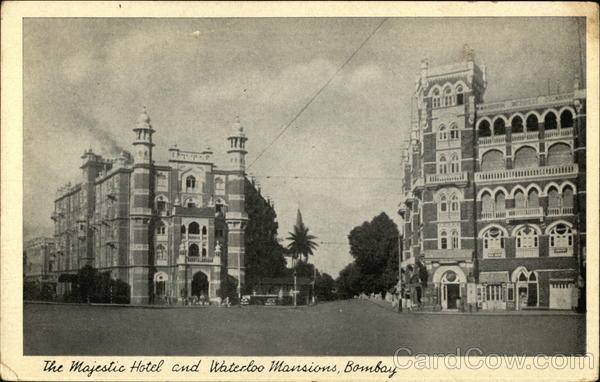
(295, 287)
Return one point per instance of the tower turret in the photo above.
(142, 144)
(237, 147)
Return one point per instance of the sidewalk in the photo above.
(547, 312)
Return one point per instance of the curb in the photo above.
(158, 306)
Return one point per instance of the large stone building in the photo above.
(169, 230)
(39, 260)
(493, 198)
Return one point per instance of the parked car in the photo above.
(270, 302)
(245, 300)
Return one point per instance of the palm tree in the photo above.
(302, 243)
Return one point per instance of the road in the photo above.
(341, 328)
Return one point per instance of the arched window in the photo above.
(492, 160)
(219, 186)
(561, 236)
(526, 157)
(553, 198)
(448, 96)
(559, 154)
(183, 229)
(443, 167)
(533, 198)
(436, 98)
(517, 125)
(527, 242)
(567, 197)
(193, 250)
(161, 204)
(454, 164)
(455, 239)
(454, 135)
(161, 228)
(444, 240)
(190, 183)
(204, 230)
(443, 134)
(493, 243)
(443, 204)
(203, 252)
(500, 201)
(487, 203)
(566, 119)
(484, 129)
(190, 203)
(454, 203)
(520, 200)
(161, 252)
(194, 228)
(460, 97)
(499, 127)
(550, 121)
(532, 123)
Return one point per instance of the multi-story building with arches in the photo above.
(170, 230)
(493, 195)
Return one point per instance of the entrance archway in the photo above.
(200, 284)
(450, 278)
(160, 284)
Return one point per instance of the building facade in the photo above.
(39, 261)
(493, 200)
(170, 230)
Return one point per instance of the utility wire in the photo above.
(324, 177)
(310, 101)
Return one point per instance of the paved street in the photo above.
(337, 328)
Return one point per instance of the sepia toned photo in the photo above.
(380, 194)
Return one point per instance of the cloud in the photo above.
(77, 67)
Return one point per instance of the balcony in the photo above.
(492, 141)
(500, 176)
(526, 213)
(199, 260)
(445, 255)
(566, 132)
(492, 215)
(524, 137)
(527, 252)
(435, 179)
(558, 211)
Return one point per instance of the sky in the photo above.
(86, 81)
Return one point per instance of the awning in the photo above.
(493, 277)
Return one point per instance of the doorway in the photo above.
(200, 285)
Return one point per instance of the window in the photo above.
(517, 125)
(492, 160)
(204, 231)
(561, 236)
(487, 203)
(194, 228)
(444, 240)
(436, 98)
(443, 204)
(493, 242)
(190, 183)
(567, 197)
(455, 239)
(203, 252)
(459, 95)
(454, 203)
(532, 123)
(190, 203)
(219, 186)
(448, 96)
(182, 229)
(499, 127)
(161, 252)
(526, 157)
(499, 201)
(454, 134)
(161, 204)
(161, 229)
(520, 200)
(533, 198)
(443, 134)
(550, 121)
(566, 119)
(454, 164)
(484, 129)
(559, 154)
(218, 233)
(443, 166)
(553, 198)
(193, 250)
(527, 242)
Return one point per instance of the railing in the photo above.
(448, 143)
(529, 172)
(528, 136)
(496, 253)
(532, 212)
(495, 140)
(527, 252)
(555, 211)
(563, 132)
(446, 178)
(490, 215)
(524, 103)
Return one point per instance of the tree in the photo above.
(87, 280)
(325, 287)
(302, 243)
(349, 281)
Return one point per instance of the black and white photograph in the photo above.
(374, 188)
